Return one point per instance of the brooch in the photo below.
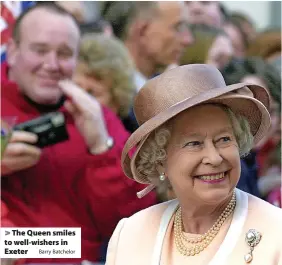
(252, 239)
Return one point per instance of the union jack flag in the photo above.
(10, 10)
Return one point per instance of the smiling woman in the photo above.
(193, 131)
(231, 131)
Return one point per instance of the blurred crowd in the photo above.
(115, 53)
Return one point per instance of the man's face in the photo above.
(204, 12)
(46, 53)
(166, 35)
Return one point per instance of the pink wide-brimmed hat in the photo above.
(176, 90)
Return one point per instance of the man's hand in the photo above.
(88, 116)
(19, 153)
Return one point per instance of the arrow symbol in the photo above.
(7, 233)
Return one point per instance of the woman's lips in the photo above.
(213, 178)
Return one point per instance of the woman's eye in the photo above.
(224, 139)
(193, 143)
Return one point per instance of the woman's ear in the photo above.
(12, 52)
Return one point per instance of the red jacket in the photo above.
(69, 187)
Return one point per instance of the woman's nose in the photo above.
(212, 156)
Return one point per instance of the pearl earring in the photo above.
(162, 177)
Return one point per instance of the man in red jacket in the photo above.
(76, 183)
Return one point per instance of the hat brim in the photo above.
(253, 108)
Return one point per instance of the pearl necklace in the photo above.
(200, 243)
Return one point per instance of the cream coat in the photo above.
(134, 239)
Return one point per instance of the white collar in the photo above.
(139, 80)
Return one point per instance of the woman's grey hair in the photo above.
(154, 152)
(107, 58)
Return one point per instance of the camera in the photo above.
(50, 129)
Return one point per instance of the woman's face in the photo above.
(100, 89)
(236, 39)
(203, 162)
(220, 52)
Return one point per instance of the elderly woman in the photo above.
(106, 71)
(238, 37)
(193, 130)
